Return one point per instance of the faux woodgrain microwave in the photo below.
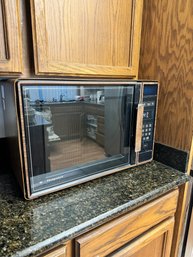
(66, 132)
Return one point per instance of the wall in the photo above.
(167, 56)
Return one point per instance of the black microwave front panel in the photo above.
(75, 131)
(150, 105)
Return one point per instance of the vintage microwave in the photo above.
(65, 132)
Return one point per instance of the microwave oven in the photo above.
(65, 132)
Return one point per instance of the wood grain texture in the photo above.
(4, 53)
(139, 126)
(10, 37)
(111, 236)
(58, 252)
(87, 37)
(64, 250)
(69, 153)
(180, 219)
(155, 243)
(167, 55)
(190, 160)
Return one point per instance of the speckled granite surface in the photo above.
(27, 228)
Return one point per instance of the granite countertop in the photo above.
(28, 228)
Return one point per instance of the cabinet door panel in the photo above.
(155, 243)
(68, 124)
(10, 37)
(87, 37)
(3, 31)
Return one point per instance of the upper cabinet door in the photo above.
(10, 38)
(87, 37)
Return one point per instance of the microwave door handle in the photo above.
(139, 126)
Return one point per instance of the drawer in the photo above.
(61, 251)
(156, 242)
(113, 235)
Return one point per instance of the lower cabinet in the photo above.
(144, 232)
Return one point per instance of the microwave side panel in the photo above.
(12, 131)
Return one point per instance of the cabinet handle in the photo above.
(139, 125)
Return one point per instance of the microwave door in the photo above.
(114, 100)
(128, 122)
(118, 119)
(72, 134)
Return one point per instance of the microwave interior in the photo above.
(74, 131)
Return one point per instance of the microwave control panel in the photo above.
(148, 124)
(150, 102)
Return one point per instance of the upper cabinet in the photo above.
(86, 37)
(10, 38)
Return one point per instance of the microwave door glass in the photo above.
(73, 132)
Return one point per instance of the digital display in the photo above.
(150, 90)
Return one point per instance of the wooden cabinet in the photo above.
(68, 120)
(100, 130)
(97, 111)
(10, 38)
(71, 37)
(109, 239)
(84, 37)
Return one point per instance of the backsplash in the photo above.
(170, 156)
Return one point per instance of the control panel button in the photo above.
(149, 104)
(145, 145)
